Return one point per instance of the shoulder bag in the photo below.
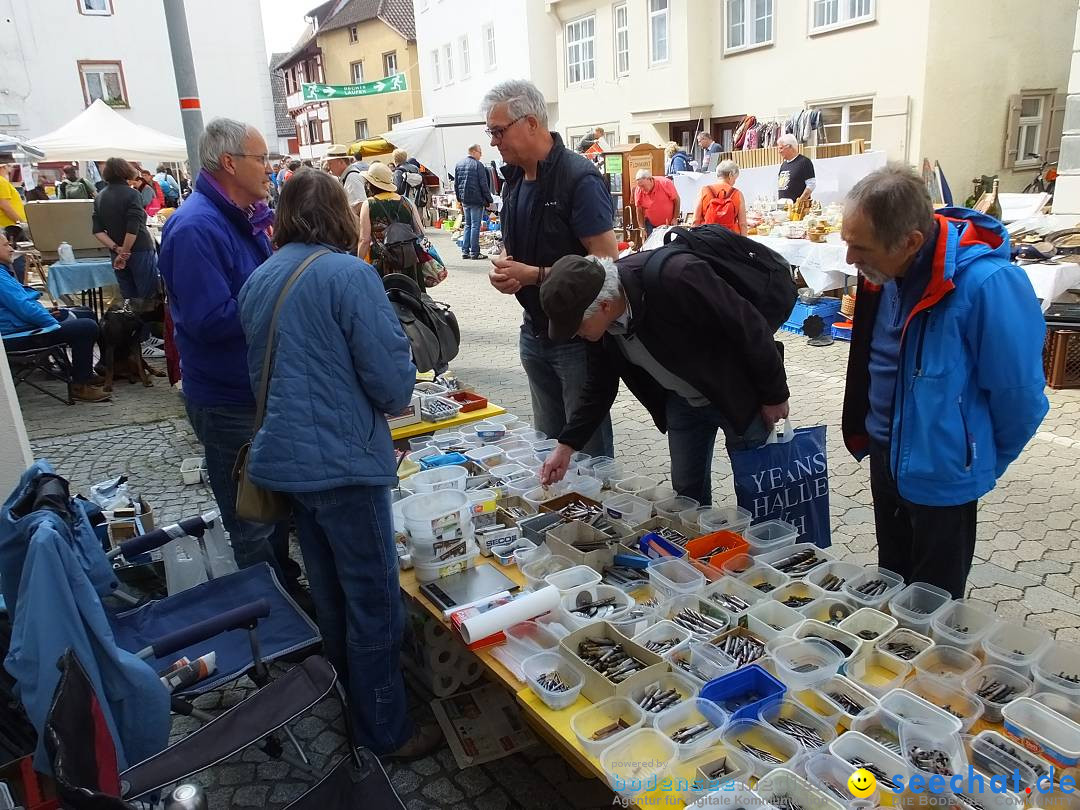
(253, 502)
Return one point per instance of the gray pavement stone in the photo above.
(251, 796)
(442, 791)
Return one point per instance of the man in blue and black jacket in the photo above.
(472, 190)
(945, 379)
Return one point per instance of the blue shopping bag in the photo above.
(787, 479)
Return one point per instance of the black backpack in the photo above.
(760, 275)
(430, 326)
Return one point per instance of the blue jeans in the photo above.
(556, 373)
(347, 537)
(470, 243)
(691, 437)
(139, 279)
(223, 430)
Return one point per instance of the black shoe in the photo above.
(424, 740)
(465, 256)
(302, 597)
(478, 257)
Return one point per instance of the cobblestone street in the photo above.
(1027, 559)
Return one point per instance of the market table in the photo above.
(420, 428)
(823, 264)
(1052, 280)
(82, 276)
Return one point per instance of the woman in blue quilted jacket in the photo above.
(340, 362)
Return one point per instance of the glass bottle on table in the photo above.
(994, 209)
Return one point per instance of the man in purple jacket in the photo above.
(209, 248)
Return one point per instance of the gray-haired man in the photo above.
(209, 248)
(555, 204)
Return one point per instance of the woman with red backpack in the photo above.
(721, 203)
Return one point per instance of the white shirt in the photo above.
(354, 188)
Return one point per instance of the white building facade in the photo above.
(465, 49)
(58, 56)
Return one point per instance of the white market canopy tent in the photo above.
(99, 132)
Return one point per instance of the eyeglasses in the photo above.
(261, 158)
(496, 133)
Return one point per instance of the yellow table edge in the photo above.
(420, 428)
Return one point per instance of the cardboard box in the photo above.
(514, 502)
(408, 416)
(124, 527)
(561, 539)
(499, 534)
(596, 686)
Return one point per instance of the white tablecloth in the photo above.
(1052, 280)
(822, 264)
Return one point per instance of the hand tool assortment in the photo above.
(760, 753)
(1040, 767)
(516, 512)
(624, 577)
(596, 609)
(901, 649)
(687, 734)
(878, 773)
(832, 583)
(607, 731)
(743, 649)
(845, 702)
(800, 731)
(995, 691)
(698, 623)
(729, 601)
(930, 760)
(552, 681)
(593, 516)
(656, 699)
(608, 658)
(799, 563)
(662, 645)
(674, 536)
(794, 601)
(872, 588)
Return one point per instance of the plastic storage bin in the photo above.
(779, 715)
(784, 785)
(903, 644)
(985, 678)
(674, 577)
(663, 638)
(828, 610)
(782, 559)
(744, 693)
(435, 515)
(830, 775)
(631, 510)
(591, 593)
(488, 432)
(856, 588)
(600, 717)
(848, 645)
(844, 696)
(430, 570)
(715, 618)
(699, 662)
(571, 580)
(868, 624)
(452, 477)
(637, 761)
(769, 618)
(607, 471)
(704, 773)
(657, 494)
(635, 484)
(543, 663)
(853, 747)
(537, 570)
(671, 508)
(931, 736)
(755, 734)
(733, 596)
(948, 696)
(797, 594)
(1058, 670)
(689, 713)
(1016, 646)
(916, 605)
(946, 662)
(684, 687)
(831, 576)
(769, 536)
(900, 705)
(804, 663)
(990, 747)
(724, 518)
(763, 578)
(738, 564)
(1043, 731)
(876, 672)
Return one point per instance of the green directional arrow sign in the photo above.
(333, 92)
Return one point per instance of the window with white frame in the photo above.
(580, 50)
(659, 23)
(361, 129)
(356, 72)
(489, 46)
(827, 15)
(389, 63)
(1029, 130)
(463, 52)
(748, 24)
(436, 73)
(846, 121)
(96, 8)
(105, 81)
(448, 62)
(622, 40)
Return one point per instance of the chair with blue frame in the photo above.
(51, 360)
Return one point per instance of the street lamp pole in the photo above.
(187, 86)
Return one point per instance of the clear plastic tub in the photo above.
(526, 551)
(419, 442)
(1043, 731)
(689, 517)
(488, 432)
(527, 433)
(782, 786)
(738, 564)
(916, 605)
(769, 536)
(536, 666)
(530, 638)
(930, 736)
(869, 624)
(671, 508)
(729, 594)
(434, 515)
(635, 620)
(507, 470)
(667, 637)
(781, 559)
(1058, 670)
(804, 663)
(894, 583)
(545, 446)
(637, 761)
(635, 484)
(829, 610)
(900, 705)
(819, 706)
(763, 578)
(429, 571)
(520, 486)
(704, 773)
(856, 748)
(714, 615)
(607, 471)
(488, 455)
(830, 775)
(543, 494)
(537, 570)
(699, 662)
(590, 593)
(674, 577)
(724, 518)
(768, 618)
(881, 727)
(838, 691)
(876, 672)
(755, 734)
(684, 688)
(439, 478)
(797, 594)
(831, 576)
(504, 419)
(615, 717)
(994, 755)
(429, 389)
(690, 713)
(948, 696)
(903, 644)
(736, 794)
(992, 674)
(841, 639)
(582, 484)
(654, 495)
(1016, 646)
(946, 662)
(512, 443)
(628, 508)
(778, 715)
(571, 580)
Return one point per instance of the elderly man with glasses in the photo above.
(555, 204)
(209, 247)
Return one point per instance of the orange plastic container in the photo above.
(734, 545)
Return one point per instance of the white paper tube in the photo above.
(518, 610)
(445, 685)
(435, 633)
(469, 670)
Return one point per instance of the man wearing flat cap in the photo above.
(695, 353)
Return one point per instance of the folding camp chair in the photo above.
(51, 360)
(83, 757)
(51, 560)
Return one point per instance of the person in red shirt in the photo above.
(656, 200)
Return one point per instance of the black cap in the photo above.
(571, 285)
